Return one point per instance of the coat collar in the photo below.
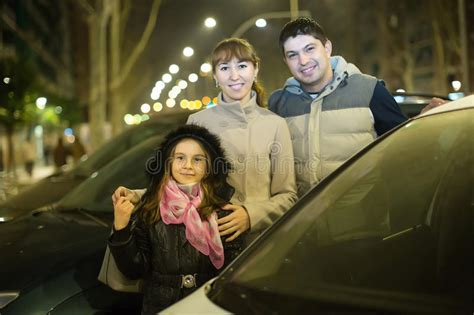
(341, 71)
(241, 112)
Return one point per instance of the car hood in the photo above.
(41, 245)
(44, 192)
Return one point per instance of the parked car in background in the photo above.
(53, 187)
(51, 257)
(389, 232)
(412, 103)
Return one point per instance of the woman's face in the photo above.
(235, 78)
(189, 162)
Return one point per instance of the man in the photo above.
(332, 109)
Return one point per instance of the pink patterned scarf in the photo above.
(178, 207)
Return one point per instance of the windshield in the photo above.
(124, 141)
(396, 222)
(128, 170)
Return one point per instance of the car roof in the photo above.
(462, 103)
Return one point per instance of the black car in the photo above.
(411, 104)
(389, 232)
(53, 187)
(50, 258)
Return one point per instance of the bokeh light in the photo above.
(167, 78)
(206, 67)
(41, 102)
(183, 84)
(261, 23)
(188, 51)
(210, 22)
(145, 108)
(174, 69)
(193, 77)
(170, 102)
(206, 100)
(157, 107)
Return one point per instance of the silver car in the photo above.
(390, 231)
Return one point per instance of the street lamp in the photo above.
(210, 22)
(192, 77)
(166, 78)
(174, 69)
(188, 51)
(145, 108)
(261, 23)
(267, 16)
(206, 67)
(41, 102)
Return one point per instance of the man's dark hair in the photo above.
(301, 26)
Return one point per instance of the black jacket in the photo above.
(160, 254)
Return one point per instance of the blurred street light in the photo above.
(170, 102)
(188, 51)
(174, 69)
(6, 80)
(41, 102)
(246, 25)
(183, 84)
(166, 78)
(210, 22)
(261, 23)
(157, 107)
(160, 84)
(155, 93)
(456, 84)
(206, 67)
(145, 108)
(128, 118)
(193, 77)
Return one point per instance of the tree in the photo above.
(418, 55)
(16, 100)
(107, 20)
(121, 67)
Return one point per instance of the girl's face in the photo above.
(235, 78)
(189, 162)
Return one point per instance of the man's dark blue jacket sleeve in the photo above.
(386, 111)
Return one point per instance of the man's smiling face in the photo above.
(308, 61)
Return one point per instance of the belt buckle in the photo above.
(188, 281)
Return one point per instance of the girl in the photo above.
(172, 239)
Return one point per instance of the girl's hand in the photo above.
(130, 195)
(235, 223)
(123, 209)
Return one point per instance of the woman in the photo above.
(256, 141)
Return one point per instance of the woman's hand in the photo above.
(235, 223)
(123, 209)
(130, 195)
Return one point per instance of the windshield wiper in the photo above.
(88, 214)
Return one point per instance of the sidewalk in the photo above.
(11, 184)
(39, 171)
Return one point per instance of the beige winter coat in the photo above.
(258, 144)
